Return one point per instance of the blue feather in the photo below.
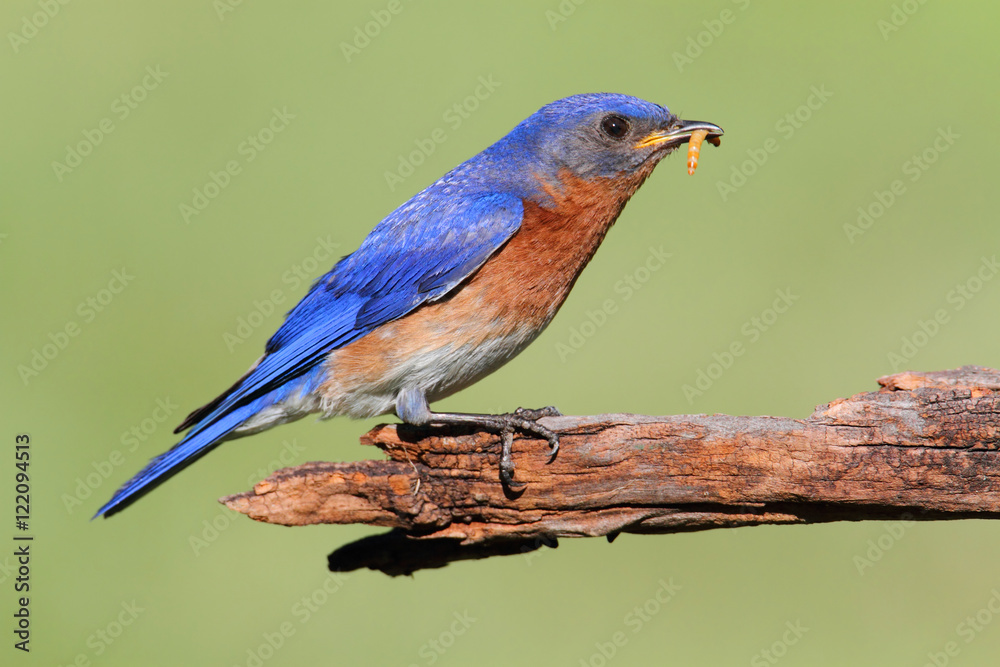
(417, 254)
(184, 453)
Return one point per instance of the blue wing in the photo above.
(416, 255)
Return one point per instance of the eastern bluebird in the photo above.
(450, 286)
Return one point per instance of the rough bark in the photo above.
(923, 447)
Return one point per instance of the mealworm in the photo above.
(694, 149)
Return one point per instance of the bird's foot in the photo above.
(522, 419)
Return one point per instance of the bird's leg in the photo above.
(411, 407)
(505, 424)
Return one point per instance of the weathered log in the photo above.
(923, 447)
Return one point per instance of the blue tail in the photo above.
(196, 444)
(214, 422)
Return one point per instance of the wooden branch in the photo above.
(923, 447)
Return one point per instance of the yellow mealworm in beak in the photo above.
(694, 149)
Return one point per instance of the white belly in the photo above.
(437, 369)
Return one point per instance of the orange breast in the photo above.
(515, 294)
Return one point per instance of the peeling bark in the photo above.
(923, 447)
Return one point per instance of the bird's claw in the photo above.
(527, 421)
(507, 461)
(535, 415)
(532, 425)
(505, 424)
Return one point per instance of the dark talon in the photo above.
(506, 460)
(524, 420)
(535, 415)
(521, 419)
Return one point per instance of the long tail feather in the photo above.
(195, 445)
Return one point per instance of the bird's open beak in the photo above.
(680, 134)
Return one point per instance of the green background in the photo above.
(323, 176)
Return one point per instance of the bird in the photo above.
(448, 287)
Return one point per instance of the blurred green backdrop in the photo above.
(117, 115)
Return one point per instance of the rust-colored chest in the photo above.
(530, 277)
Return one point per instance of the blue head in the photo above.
(599, 135)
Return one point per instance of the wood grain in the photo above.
(922, 447)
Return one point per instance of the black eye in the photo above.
(614, 126)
